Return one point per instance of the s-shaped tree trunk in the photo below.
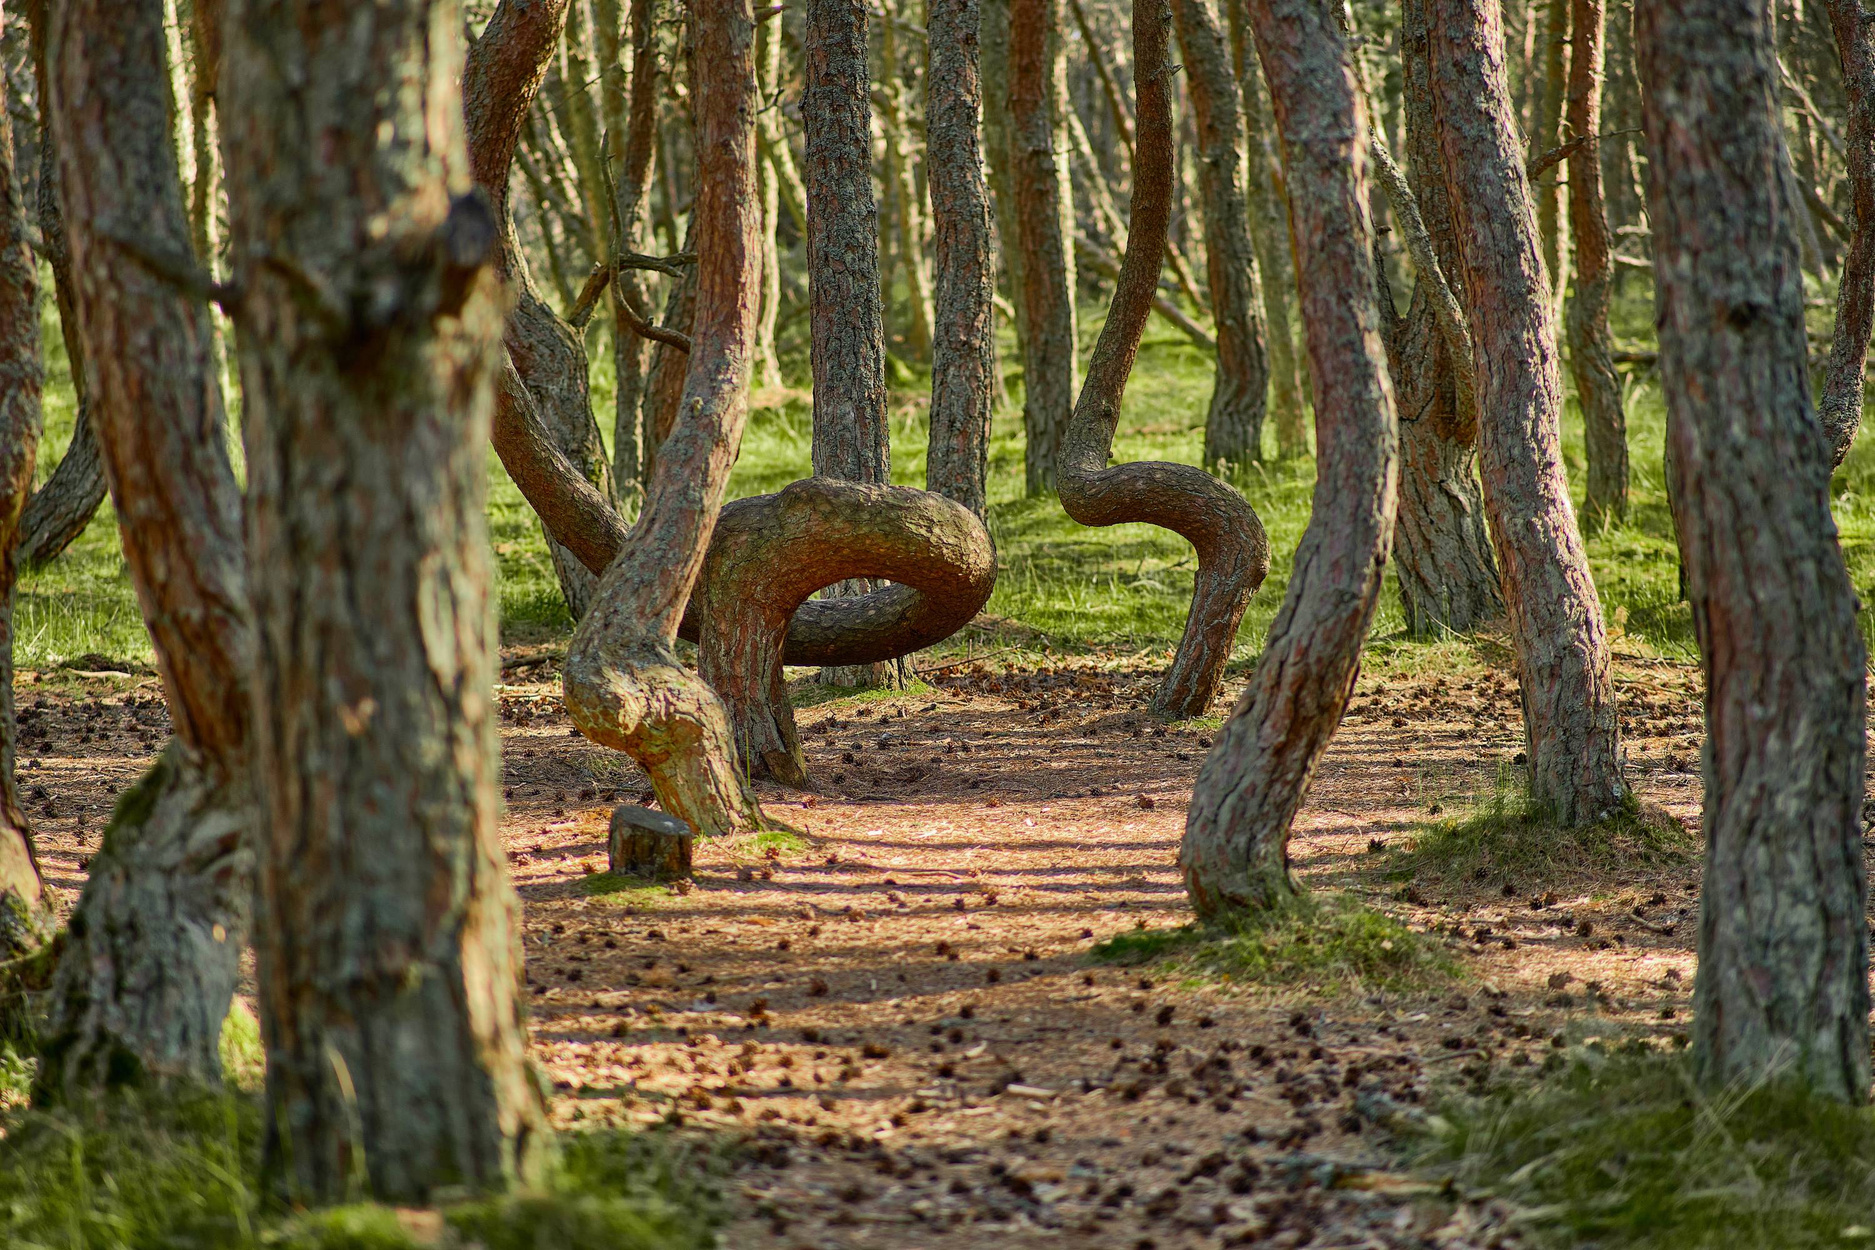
(1841, 406)
(387, 938)
(1235, 851)
(1555, 616)
(1233, 553)
(1233, 428)
(1591, 346)
(152, 953)
(1783, 938)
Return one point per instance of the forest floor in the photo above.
(903, 1010)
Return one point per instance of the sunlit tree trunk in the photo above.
(1591, 346)
(1783, 934)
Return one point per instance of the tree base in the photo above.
(647, 843)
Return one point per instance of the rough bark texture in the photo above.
(646, 843)
(1841, 406)
(1235, 851)
(1546, 136)
(906, 229)
(1555, 617)
(1233, 553)
(387, 933)
(1442, 546)
(631, 354)
(963, 353)
(768, 67)
(625, 686)
(22, 898)
(1044, 207)
(1233, 428)
(773, 551)
(152, 952)
(1783, 941)
(503, 73)
(1591, 346)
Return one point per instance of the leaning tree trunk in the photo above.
(1233, 553)
(626, 688)
(963, 351)
(1591, 346)
(152, 953)
(1841, 406)
(1555, 617)
(387, 934)
(1233, 428)
(1783, 938)
(1442, 547)
(1044, 211)
(1235, 850)
(23, 918)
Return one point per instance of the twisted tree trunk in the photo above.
(1233, 553)
(1591, 346)
(387, 940)
(1841, 406)
(1044, 213)
(963, 351)
(1235, 851)
(1783, 938)
(1233, 428)
(1555, 617)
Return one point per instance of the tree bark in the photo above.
(625, 686)
(1546, 135)
(1235, 850)
(1783, 940)
(387, 934)
(152, 952)
(963, 351)
(908, 220)
(1233, 429)
(1555, 617)
(768, 69)
(1841, 406)
(632, 149)
(23, 907)
(1591, 346)
(1044, 210)
(1232, 550)
(1447, 575)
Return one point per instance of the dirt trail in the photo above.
(898, 1011)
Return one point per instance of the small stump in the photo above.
(647, 843)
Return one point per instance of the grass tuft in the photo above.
(1506, 835)
(1318, 943)
(1623, 1150)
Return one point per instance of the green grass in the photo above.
(1505, 836)
(182, 1169)
(1319, 943)
(1623, 1150)
(614, 887)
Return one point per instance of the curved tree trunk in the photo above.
(1235, 851)
(1233, 552)
(625, 686)
(1233, 428)
(1591, 346)
(387, 934)
(1783, 938)
(1442, 547)
(963, 353)
(23, 918)
(1555, 617)
(152, 952)
(1044, 221)
(1841, 406)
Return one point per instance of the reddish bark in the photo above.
(1591, 345)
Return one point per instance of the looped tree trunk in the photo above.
(1233, 550)
(773, 551)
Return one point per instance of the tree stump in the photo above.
(647, 843)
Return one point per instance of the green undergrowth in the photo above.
(1504, 836)
(1320, 943)
(1624, 1150)
(805, 694)
(618, 887)
(146, 1171)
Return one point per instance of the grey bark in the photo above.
(1556, 625)
(387, 933)
(1783, 938)
(1233, 430)
(1841, 405)
(1235, 850)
